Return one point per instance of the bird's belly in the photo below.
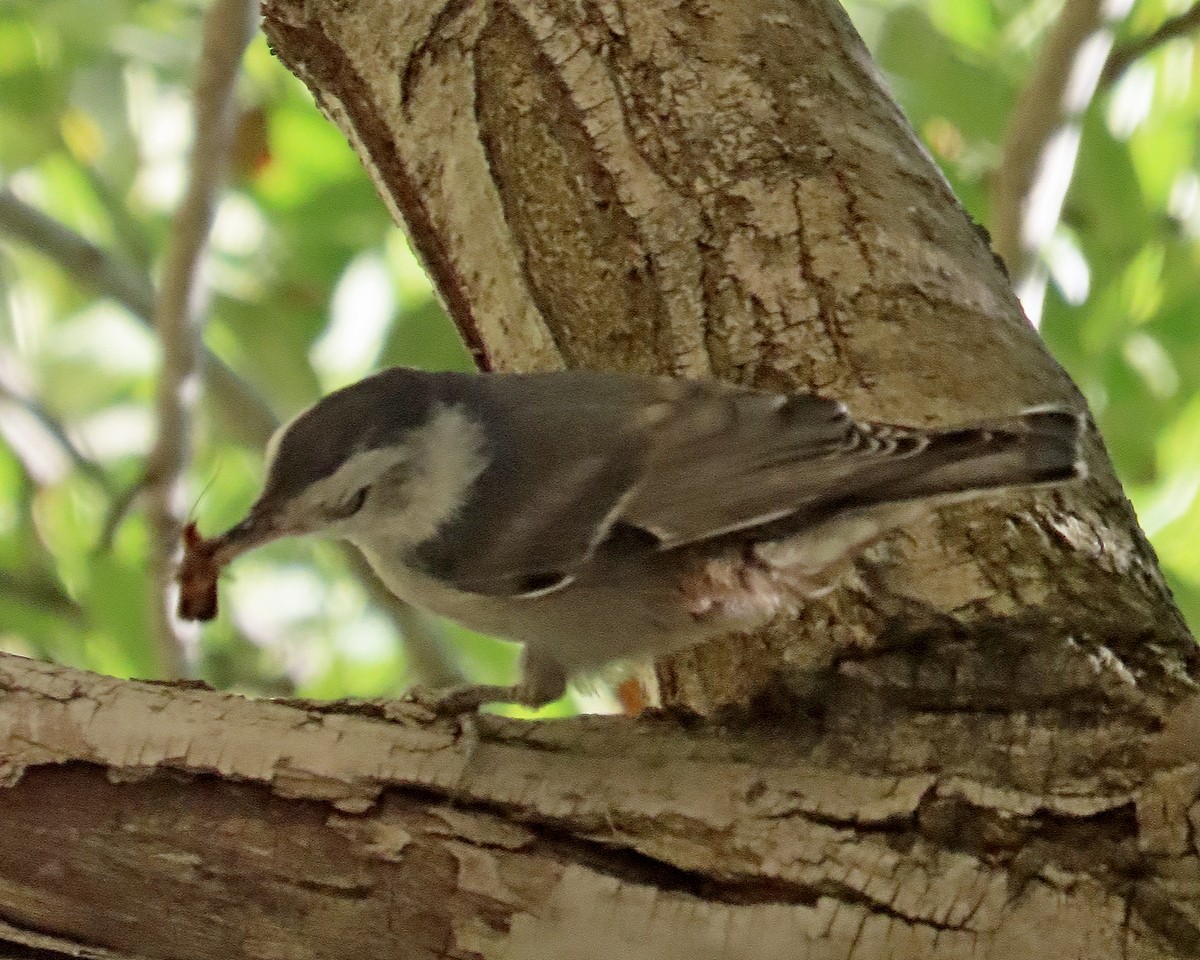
(609, 612)
(581, 627)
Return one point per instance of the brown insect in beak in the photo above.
(203, 559)
(197, 576)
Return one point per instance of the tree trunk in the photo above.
(979, 746)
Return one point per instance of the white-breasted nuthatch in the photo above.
(594, 516)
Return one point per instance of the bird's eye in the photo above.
(350, 507)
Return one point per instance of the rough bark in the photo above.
(163, 821)
(980, 746)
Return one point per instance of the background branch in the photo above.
(15, 393)
(1042, 141)
(41, 592)
(244, 413)
(130, 235)
(1125, 55)
(180, 305)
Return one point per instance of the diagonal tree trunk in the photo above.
(723, 188)
(980, 746)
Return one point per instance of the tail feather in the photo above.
(1035, 448)
(931, 468)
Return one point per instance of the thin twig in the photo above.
(42, 593)
(245, 414)
(1124, 56)
(130, 234)
(15, 393)
(119, 507)
(1042, 141)
(180, 305)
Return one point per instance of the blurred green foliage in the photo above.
(314, 287)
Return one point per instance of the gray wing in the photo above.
(742, 460)
(783, 464)
(565, 453)
(669, 461)
(665, 463)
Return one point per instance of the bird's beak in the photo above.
(259, 527)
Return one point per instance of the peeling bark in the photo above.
(979, 746)
(164, 821)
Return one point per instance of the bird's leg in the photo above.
(542, 681)
(461, 698)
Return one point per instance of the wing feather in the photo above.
(561, 469)
(667, 462)
(741, 460)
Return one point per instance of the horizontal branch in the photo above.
(364, 829)
(46, 947)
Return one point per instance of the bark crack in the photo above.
(827, 306)
(426, 48)
(324, 63)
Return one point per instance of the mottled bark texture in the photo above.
(146, 820)
(980, 747)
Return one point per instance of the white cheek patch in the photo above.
(447, 457)
(440, 462)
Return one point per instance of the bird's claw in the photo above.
(455, 701)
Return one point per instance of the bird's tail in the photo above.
(1038, 447)
(919, 470)
(931, 468)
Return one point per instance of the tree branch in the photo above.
(1042, 141)
(41, 592)
(32, 944)
(16, 393)
(86, 263)
(130, 235)
(245, 415)
(359, 829)
(180, 305)
(1125, 55)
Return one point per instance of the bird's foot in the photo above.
(467, 698)
(542, 681)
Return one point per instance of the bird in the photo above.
(600, 516)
